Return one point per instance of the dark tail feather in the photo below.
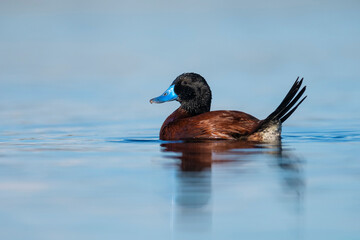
(283, 119)
(286, 107)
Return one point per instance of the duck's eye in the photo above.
(185, 83)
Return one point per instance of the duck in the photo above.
(194, 120)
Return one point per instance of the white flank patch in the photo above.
(272, 133)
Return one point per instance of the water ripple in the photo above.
(325, 136)
(135, 140)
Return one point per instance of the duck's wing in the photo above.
(211, 125)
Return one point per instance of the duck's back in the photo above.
(209, 125)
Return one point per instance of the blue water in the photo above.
(80, 156)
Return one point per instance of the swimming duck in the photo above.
(193, 120)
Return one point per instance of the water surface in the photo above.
(80, 182)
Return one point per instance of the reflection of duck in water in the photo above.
(200, 155)
(192, 208)
(194, 120)
(197, 157)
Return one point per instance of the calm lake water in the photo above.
(80, 156)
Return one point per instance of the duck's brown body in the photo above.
(228, 125)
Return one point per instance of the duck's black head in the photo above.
(191, 90)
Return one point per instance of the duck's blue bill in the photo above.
(168, 95)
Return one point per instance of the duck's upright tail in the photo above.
(284, 110)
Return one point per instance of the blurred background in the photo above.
(79, 151)
(101, 61)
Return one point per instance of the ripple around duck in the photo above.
(135, 140)
(325, 136)
(310, 136)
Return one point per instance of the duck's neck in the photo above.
(196, 107)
